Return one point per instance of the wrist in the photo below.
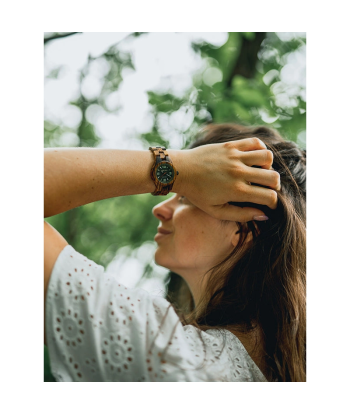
(181, 161)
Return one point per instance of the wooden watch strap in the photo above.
(160, 154)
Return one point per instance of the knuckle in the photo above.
(258, 142)
(273, 197)
(229, 145)
(239, 170)
(269, 156)
(276, 178)
(240, 188)
(234, 153)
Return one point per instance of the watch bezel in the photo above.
(174, 172)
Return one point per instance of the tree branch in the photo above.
(48, 39)
(245, 64)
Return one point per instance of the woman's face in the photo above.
(197, 241)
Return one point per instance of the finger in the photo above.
(269, 178)
(249, 144)
(258, 195)
(263, 158)
(235, 213)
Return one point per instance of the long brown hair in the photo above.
(262, 283)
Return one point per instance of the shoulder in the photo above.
(100, 330)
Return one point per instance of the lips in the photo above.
(163, 231)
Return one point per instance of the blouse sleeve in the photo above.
(99, 330)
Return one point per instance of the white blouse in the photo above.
(101, 331)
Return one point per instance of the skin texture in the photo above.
(210, 176)
(198, 241)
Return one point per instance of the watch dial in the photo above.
(165, 173)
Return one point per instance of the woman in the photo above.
(242, 264)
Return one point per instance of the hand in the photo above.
(222, 173)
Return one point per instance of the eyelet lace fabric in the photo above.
(98, 330)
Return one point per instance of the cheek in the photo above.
(195, 231)
(185, 236)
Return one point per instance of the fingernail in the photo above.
(260, 218)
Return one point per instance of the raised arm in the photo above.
(210, 176)
(77, 176)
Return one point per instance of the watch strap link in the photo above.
(160, 154)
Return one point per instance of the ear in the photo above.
(235, 238)
(249, 237)
(237, 233)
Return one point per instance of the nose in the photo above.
(163, 211)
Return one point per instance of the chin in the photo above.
(162, 260)
(159, 259)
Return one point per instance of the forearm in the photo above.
(77, 176)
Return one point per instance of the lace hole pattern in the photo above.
(99, 330)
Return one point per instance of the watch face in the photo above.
(165, 173)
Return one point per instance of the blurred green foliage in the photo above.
(241, 82)
(250, 65)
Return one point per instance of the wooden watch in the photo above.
(163, 171)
